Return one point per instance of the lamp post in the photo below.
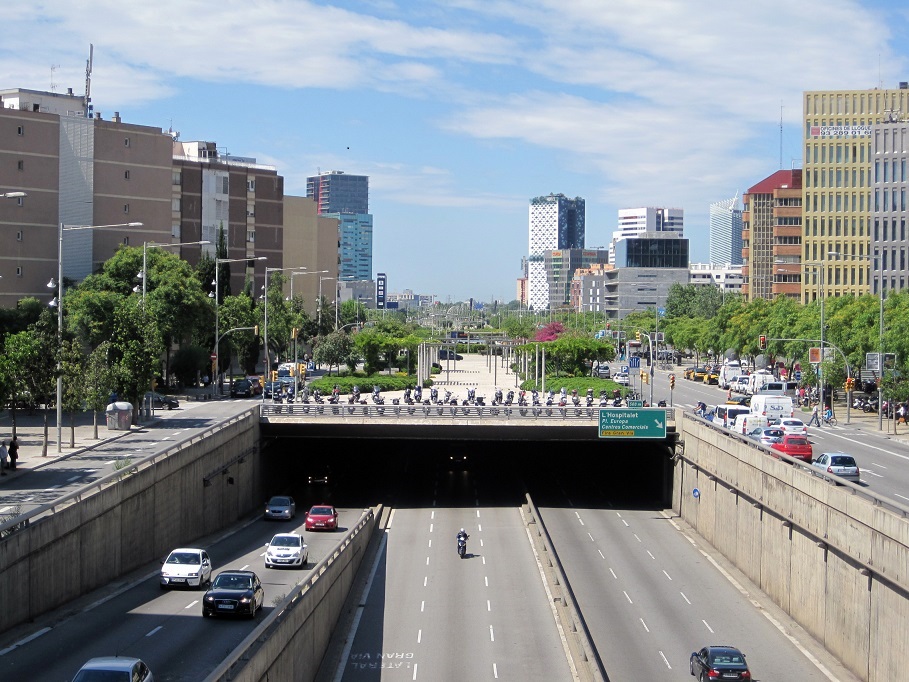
(319, 320)
(13, 195)
(217, 373)
(63, 228)
(265, 303)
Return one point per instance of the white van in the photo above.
(772, 407)
(729, 371)
(757, 380)
(740, 385)
(789, 388)
(741, 424)
(727, 413)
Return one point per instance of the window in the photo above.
(250, 236)
(175, 231)
(175, 204)
(20, 131)
(177, 178)
(125, 141)
(19, 271)
(250, 185)
(126, 175)
(20, 165)
(126, 241)
(19, 236)
(126, 208)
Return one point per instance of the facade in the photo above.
(76, 171)
(635, 221)
(310, 242)
(886, 260)
(587, 290)
(726, 231)
(213, 191)
(772, 240)
(561, 266)
(838, 182)
(362, 291)
(338, 192)
(727, 278)
(354, 246)
(556, 222)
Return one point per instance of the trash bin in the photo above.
(119, 416)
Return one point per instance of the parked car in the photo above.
(112, 668)
(186, 566)
(162, 401)
(256, 383)
(719, 663)
(280, 507)
(286, 549)
(604, 372)
(242, 388)
(794, 426)
(768, 435)
(322, 517)
(445, 354)
(835, 465)
(795, 446)
(621, 378)
(234, 593)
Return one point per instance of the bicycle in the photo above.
(830, 421)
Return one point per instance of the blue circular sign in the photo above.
(696, 493)
(798, 375)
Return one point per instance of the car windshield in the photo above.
(285, 541)
(727, 659)
(279, 502)
(843, 461)
(232, 582)
(103, 676)
(184, 558)
(797, 441)
(321, 511)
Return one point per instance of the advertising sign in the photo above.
(841, 131)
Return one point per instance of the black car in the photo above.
(719, 663)
(242, 388)
(162, 401)
(234, 593)
(449, 355)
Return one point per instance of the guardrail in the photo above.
(503, 412)
(16, 522)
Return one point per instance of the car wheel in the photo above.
(205, 613)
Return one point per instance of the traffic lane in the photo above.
(430, 614)
(164, 628)
(651, 595)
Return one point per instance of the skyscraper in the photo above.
(556, 222)
(346, 197)
(635, 221)
(726, 232)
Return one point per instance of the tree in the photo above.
(238, 312)
(333, 349)
(98, 379)
(136, 349)
(74, 389)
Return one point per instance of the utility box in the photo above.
(119, 416)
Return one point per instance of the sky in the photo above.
(461, 111)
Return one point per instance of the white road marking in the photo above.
(625, 522)
(243, 568)
(478, 513)
(667, 575)
(627, 597)
(481, 542)
(484, 560)
(192, 603)
(603, 556)
(492, 636)
(895, 495)
(419, 636)
(874, 473)
(707, 626)
(424, 580)
(430, 527)
(422, 606)
(684, 597)
(430, 543)
(427, 561)
(591, 537)
(613, 574)
(34, 635)
(644, 624)
(154, 631)
(650, 554)
(663, 656)
(488, 605)
(495, 671)
(636, 537)
(880, 466)
(414, 671)
(486, 580)
(432, 515)
(479, 528)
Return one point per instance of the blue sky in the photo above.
(460, 111)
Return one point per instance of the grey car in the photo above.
(832, 466)
(768, 435)
(280, 507)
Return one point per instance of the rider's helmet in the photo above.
(462, 530)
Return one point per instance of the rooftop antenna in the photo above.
(781, 135)
(86, 100)
(53, 85)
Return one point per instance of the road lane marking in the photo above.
(663, 656)
(707, 626)
(414, 672)
(481, 542)
(602, 556)
(636, 537)
(430, 542)
(192, 604)
(424, 580)
(874, 473)
(644, 624)
(488, 605)
(422, 606)
(880, 466)
(613, 573)
(154, 631)
(627, 597)
(650, 554)
(486, 580)
(427, 561)
(432, 515)
(479, 527)
(591, 537)
(243, 568)
(495, 671)
(492, 636)
(895, 494)
(430, 527)
(15, 645)
(419, 636)
(685, 598)
(666, 574)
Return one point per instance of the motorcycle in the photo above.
(589, 397)
(575, 398)
(509, 399)
(550, 397)
(434, 395)
(418, 395)
(535, 398)
(376, 396)
(407, 399)
(522, 399)
(462, 544)
(497, 397)
(317, 396)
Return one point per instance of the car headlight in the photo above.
(209, 598)
(245, 600)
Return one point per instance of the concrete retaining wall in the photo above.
(835, 561)
(291, 642)
(158, 504)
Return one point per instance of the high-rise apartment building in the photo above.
(556, 222)
(772, 237)
(726, 232)
(838, 180)
(346, 197)
(635, 221)
(887, 262)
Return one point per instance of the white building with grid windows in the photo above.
(726, 231)
(556, 222)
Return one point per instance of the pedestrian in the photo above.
(13, 452)
(814, 417)
(4, 459)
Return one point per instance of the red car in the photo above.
(795, 446)
(322, 517)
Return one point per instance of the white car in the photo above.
(114, 668)
(793, 426)
(622, 379)
(286, 549)
(186, 567)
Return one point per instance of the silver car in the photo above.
(280, 507)
(835, 465)
(114, 668)
(768, 435)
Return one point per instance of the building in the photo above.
(556, 222)
(310, 242)
(346, 197)
(213, 191)
(635, 221)
(76, 171)
(727, 278)
(561, 266)
(772, 237)
(725, 223)
(886, 260)
(838, 181)
(587, 290)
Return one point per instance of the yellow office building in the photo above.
(837, 185)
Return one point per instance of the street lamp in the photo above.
(59, 300)
(319, 320)
(217, 373)
(265, 303)
(13, 195)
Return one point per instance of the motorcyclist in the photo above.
(462, 535)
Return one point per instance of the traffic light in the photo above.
(301, 369)
(645, 377)
(762, 342)
(293, 333)
(256, 330)
(609, 325)
(671, 381)
(637, 335)
(274, 375)
(848, 384)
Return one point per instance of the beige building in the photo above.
(311, 242)
(837, 184)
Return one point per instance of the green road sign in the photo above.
(635, 403)
(637, 422)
